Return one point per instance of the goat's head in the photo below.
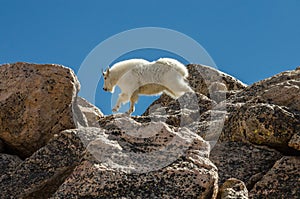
(108, 84)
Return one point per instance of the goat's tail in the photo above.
(179, 67)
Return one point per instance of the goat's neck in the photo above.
(118, 74)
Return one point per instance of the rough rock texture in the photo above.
(282, 181)
(169, 152)
(263, 124)
(257, 123)
(232, 189)
(88, 113)
(295, 141)
(41, 174)
(8, 163)
(36, 103)
(244, 161)
(119, 163)
(207, 80)
(282, 89)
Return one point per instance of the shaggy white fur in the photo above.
(138, 76)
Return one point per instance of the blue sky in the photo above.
(250, 40)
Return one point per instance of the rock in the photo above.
(181, 112)
(232, 189)
(36, 103)
(169, 152)
(295, 141)
(134, 160)
(1, 146)
(282, 89)
(207, 80)
(8, 163)
(243, 161)
(42, 173)
(282, 181)
(191, 101)
(263, 124)
(194, 111)
(91, 114)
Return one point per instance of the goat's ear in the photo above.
(107, 70)
(102, 72)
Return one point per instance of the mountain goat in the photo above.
(138, 76)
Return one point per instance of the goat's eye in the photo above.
(104, 77)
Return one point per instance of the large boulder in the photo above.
(8, 163)
(282, 89)
(263, 124)
(42, 173)
(282, 181)
(134, 160)
(246, 162)
(36, 103)
(87, 114)
(233, 189)
(207, 80)
(295, 141)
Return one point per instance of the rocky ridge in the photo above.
(226, 140)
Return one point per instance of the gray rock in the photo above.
(207, 80)
(282, 181)
(36, 103)
(134, 160)
(295, 141)
(87, 115)
(282, 89)
(233, 189)
(263, 124)
(243, 161)
(8, 163)
(42, 173)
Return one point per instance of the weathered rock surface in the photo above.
(166, 153)
(233, 189)
(207, 80)
(85, 114)
(295, 141)
(41, 174)
(282, 89)
(244, 161)
(282, 181)
(36, 103)
(8, 163)
(263, 124)
(120, 164)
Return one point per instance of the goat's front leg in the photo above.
(133, 99)
(122, 98)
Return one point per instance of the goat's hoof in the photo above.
(115, 110)
(128, 112)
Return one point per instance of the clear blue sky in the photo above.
(250, 40)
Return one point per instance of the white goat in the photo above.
(138, 76)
